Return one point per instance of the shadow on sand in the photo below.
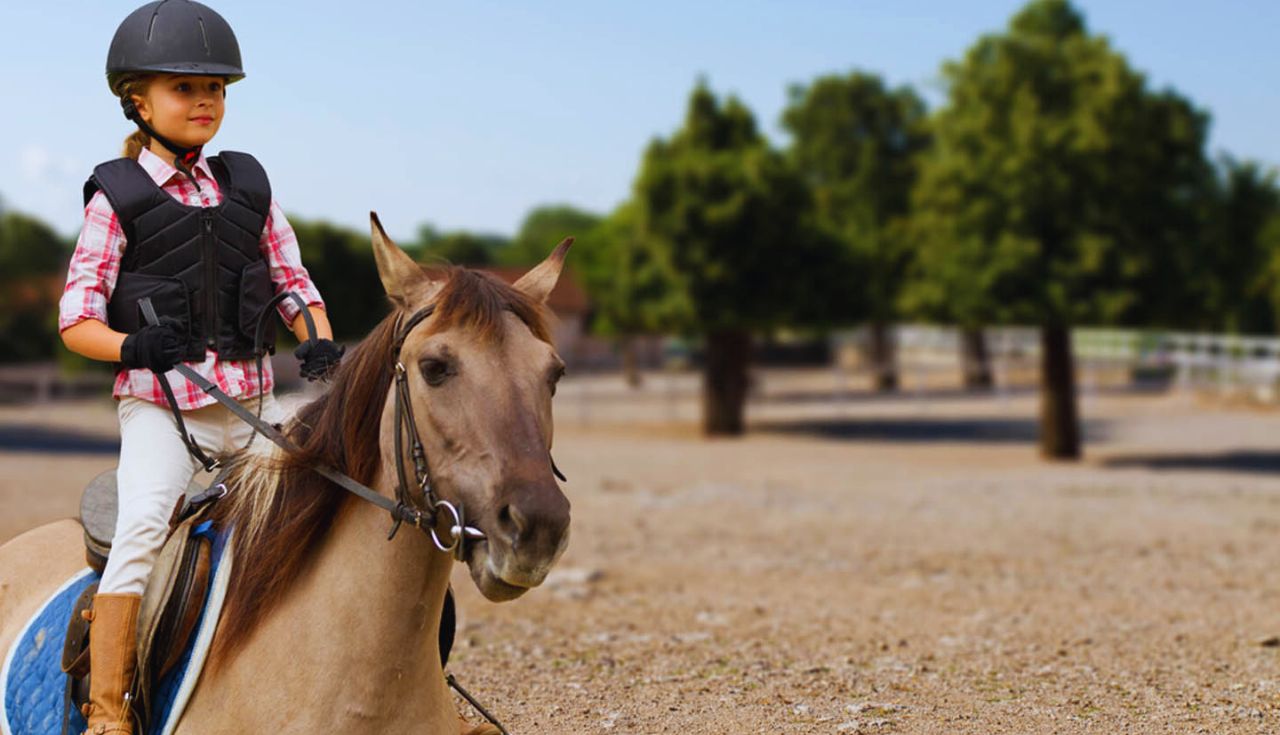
(1258, 461)
(865, 397)
(923, 430)
(34, 439)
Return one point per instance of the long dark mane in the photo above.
(279, 508)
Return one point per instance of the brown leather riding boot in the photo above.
(113, 635)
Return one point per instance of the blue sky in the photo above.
(467, 114)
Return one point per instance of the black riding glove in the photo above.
(319, 357)
(156, 347)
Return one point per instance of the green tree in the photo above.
(723, 219)
(29, 247)
(33, 261)
(1060, 189)
(1269, 242)
(542, 229)
(1240, 281)
(465, 248)
(460, 247)
(857, 145)
(625, 284)
(341, 265)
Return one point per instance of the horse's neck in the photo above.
(354, 645)
(383, 598)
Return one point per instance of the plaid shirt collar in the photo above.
(161, 170)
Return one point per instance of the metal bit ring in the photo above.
(459, 531)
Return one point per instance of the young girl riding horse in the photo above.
(204, 240)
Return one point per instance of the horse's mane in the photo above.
(279, 508)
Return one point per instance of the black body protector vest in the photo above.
(199, 265)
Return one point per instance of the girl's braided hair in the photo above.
(128, 86)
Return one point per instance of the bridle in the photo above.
(424, 517)
(459, 531)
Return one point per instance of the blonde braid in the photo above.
(126, 88)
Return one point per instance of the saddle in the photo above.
(171, 605)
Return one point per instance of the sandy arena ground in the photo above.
(859, 565)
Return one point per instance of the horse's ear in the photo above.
(537, 283)
(401, 276)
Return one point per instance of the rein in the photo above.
(403, 508)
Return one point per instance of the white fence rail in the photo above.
(1233, 365)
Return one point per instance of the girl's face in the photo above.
(185, 109)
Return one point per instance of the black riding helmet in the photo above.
(173, 37)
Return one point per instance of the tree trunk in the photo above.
(973, 355)
(724, 383)
(1059, 418)
(631, 361)
(882, 357)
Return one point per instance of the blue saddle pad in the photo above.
(32, 678)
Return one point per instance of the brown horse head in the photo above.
(482, 372)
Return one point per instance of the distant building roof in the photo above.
(567, 297)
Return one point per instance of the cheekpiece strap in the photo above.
(405, 425)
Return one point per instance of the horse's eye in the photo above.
(434, 371)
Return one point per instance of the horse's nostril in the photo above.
(511, 522)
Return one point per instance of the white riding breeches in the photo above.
(155, 469)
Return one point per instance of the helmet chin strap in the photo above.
(183, 157)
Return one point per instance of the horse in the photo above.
(327, 625)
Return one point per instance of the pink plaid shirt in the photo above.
(95, 265)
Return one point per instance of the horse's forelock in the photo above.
(475, 301)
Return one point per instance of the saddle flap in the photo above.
(183, 610)
(171, 605)
(160, 585)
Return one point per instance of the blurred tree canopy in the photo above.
(33, 262)
(29, 247)
(472, 249)
(1059, 190)
(726, 221)
(340, 261)
(1239, 279)
(542, 229)
(1269, 242)
(625, 282)
(857, 143)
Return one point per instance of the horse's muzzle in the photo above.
(525, 537)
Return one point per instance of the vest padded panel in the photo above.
(200, 265)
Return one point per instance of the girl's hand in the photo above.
(156, 347)
(318, 357)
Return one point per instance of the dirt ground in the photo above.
(858, 564)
